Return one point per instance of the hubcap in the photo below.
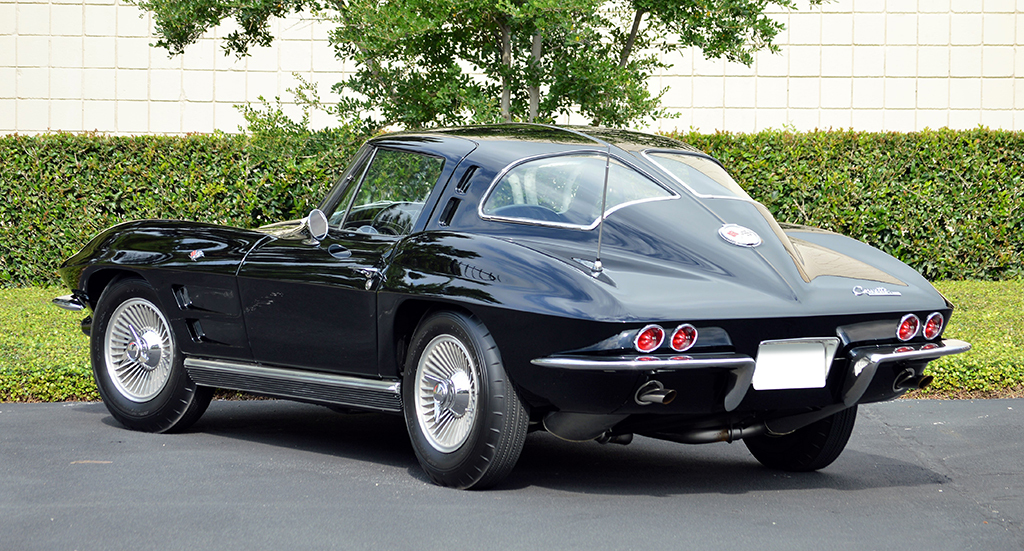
(138, 349)
(447, 390)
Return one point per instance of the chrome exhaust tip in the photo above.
(910, 380)
(653, 392)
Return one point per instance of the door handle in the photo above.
(339, 252)
(371, 275)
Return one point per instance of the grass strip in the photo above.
(44, 357)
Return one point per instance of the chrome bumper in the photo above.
(69, 302)
(863, 362)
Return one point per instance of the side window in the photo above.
(391, 194)
(702, 175)
(567, 190)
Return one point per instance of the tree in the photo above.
(428, 62)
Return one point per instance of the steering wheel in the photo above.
(396, 218)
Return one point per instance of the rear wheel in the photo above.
(137, 365)
(810, 448)
(466, 421)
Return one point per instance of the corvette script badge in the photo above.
(740, 236)
(876, 292)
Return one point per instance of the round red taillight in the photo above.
(909, 326)
(649, 338)
(684, 337)
(933, 325)
(903, 349)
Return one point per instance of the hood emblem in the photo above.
(196, 254)
(876, 292)
(739, 236)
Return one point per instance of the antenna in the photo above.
(596, 271)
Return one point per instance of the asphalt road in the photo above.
(932, 475)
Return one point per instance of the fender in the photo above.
(191, 265)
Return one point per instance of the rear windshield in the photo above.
(567, 189)
(702, 175)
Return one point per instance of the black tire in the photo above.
(466, 421)
(810, 448)
(150, 390)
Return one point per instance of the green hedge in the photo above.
(63, 188)
(949, 203)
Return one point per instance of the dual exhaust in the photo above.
(908, 379)
(653, 392)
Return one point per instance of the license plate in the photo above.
(794, 363)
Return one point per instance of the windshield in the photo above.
(702, 175)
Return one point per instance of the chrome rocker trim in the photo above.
(324, 388)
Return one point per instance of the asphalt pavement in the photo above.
(917, 474)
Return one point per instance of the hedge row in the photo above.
(950, 203)
(64, 188)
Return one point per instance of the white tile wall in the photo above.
(82, 65)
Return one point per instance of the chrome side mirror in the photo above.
(317, 224)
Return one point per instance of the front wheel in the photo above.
(139, 370)
(466, 421)
(809, 448)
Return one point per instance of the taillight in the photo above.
(684, 337)
(649, 338)
(933, 325)
(909, 326)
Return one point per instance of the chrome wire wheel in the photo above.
(447, 390)
(138, 349)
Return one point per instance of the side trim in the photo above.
(297, 384)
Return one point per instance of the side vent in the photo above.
(463, 186)
(181, 297)
(448, 212)
(195, 330)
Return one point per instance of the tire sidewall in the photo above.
(160, 412)
(449, 469)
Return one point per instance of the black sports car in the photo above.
(488, 281)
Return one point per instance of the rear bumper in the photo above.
(711, 383)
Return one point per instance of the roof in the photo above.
(628, 140)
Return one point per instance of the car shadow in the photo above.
(661, 469)
(646, 467)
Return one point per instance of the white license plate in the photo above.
(794, 363)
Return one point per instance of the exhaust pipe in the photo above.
(653, 392)
(908, 379)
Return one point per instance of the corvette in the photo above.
(485, 282)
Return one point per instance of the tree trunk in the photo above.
(506, 61)
(628, 48)
(535, 53)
